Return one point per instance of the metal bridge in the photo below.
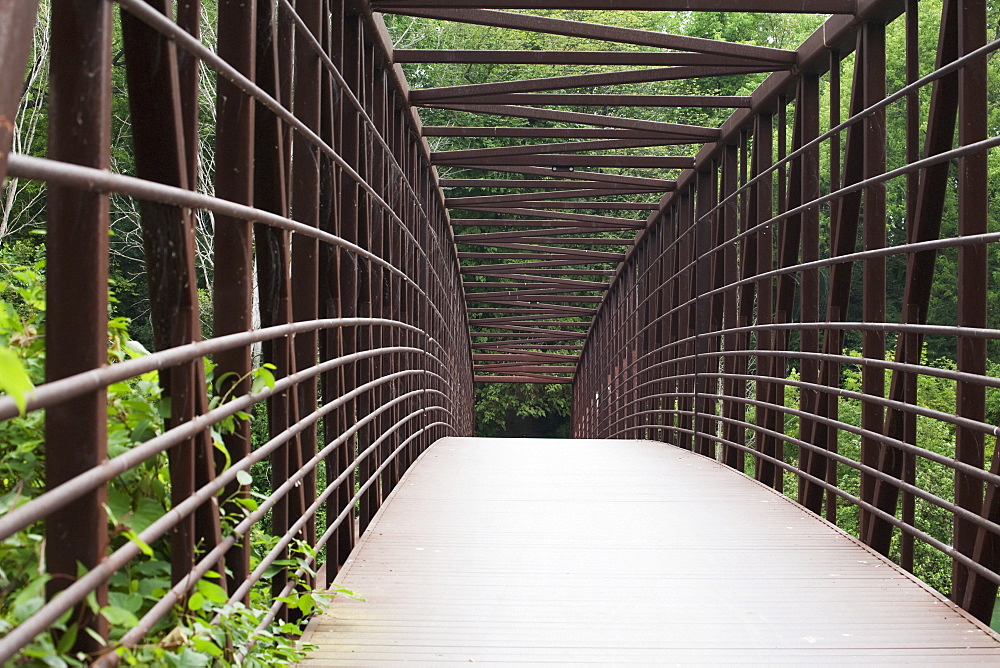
(756, 295)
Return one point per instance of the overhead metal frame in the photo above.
(614, 141)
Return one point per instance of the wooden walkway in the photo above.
(619, 552)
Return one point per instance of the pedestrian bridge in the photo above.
(749, 246)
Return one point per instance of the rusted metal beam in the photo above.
(557, 241)
(768, 6)
(630, 58)
(560, 280)
(557, 205)
(609, 179)
(542, 184)
(609, 100)
(531, 269)
(76, 310)
(233, 262)
(164, 133)
(925, 224)
(536, 379)
(973, 207)
(538, 133)
(873, 269)
(573, 256)
(524, 357)
(442, 157)
(545, 233)
(669, 130)
(570, 161)
(553, 26)
(17, 27)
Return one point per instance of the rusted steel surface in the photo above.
(76, 430)
(284, 196)
(477, 558)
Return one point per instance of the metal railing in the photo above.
(333, 270)
(774, 317)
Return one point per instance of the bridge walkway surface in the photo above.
(610, 552)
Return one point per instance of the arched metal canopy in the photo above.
(568, 213)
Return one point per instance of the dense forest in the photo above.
(137, 410)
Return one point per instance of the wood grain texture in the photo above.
(610, 552)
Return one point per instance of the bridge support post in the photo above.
(763, 150)
(233, 263)
(972, 294)
(706, 365)
(873, 268)
(77, 294)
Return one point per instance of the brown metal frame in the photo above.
(742, 270)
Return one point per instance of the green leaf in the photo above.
(196, 602)
(221, 447)
(68, 639)
(135, 349)
(207, 646)
(262, 378)
(96, 636)
(212, 591)
(140, 543)
(30, 599)
(223, 378)
(146, 512)
(244, 478)
(130, 602)
(118, 616)
(14, 380)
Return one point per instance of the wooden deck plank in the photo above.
(557, 551)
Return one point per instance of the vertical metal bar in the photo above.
(732, 388)
(843, 240)
(273, 252)
(327, 285)
(874, 268)
(704, 405)
(925, 225)
(18, 27)
(350, 202)
(808, 111)
(685, 321)
(826, 436)
(747, 294)
(909, 468)
(381, 293)
(233, 275)
(370, 498)
(972, 284)
(76, 291)
(161, 140)
(788, 243)
(305, 251)
(660, 327)
(766, 472)
(338, 299)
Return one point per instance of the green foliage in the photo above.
(496, 403)
(187, 636)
